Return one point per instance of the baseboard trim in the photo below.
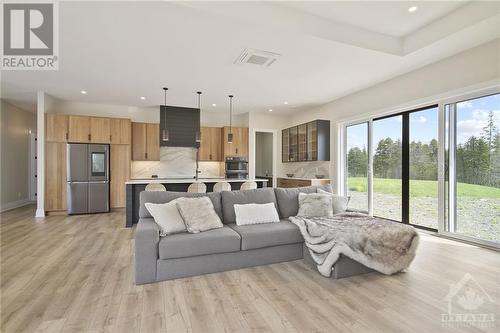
(15, 204)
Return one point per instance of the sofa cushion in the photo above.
(288, 198)
(256, 236)
(258, 196)
(186, 244)
(167, 196)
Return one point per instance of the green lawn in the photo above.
(422, 188)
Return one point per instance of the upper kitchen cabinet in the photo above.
(306, 142)
(145, 142)
(100, 130)
(239, 147)
(56, 127)
(182, 125)
(78, 129)
(211, 144)
(120, 131)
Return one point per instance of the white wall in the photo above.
(15, 126)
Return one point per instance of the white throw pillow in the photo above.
(256, 213)
(339, 202)
(167, 216)
(315, 204)
(198, 214)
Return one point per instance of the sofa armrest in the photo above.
(147, 237)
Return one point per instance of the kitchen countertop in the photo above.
(189, 180)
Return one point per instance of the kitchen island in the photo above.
(135, 186)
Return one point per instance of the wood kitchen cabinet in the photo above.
(100, 130)
(211, 144)
(306, 142)
(120, 130)
(239, 147)
(78, 129)
(56, 127)
(120, 173)
(145, 142)
(55, 176)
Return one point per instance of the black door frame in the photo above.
(405, 163)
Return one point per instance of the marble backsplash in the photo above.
(307, 169)
(175, 162)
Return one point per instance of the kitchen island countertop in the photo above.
(189, 180)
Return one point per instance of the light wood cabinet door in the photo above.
(239, 147)
(138, 141)
(228, 148)
(152, 142)
(78, 129)
(120, 173)
(211, 144)
(99, 130)
(55, 176)
(56, 127)
(120, 131)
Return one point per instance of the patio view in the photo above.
(477, 167)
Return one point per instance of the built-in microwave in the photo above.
(236, 167)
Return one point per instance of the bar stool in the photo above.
(248, 185)
(197, 187)
(222, 186)
(155, 187)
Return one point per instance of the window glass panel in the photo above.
(423, 165)
(477, 164)
(357, 166)
(387, 167)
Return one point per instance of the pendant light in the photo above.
(198, 134)
(230, 134)
(164, 131)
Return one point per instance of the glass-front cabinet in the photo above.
(306, 142)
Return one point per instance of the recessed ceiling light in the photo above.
(84, 92)
(412, 9)
(214, 104)
(270, 110)
(143, 98)
(285, 102)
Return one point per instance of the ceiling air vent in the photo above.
(257, 57)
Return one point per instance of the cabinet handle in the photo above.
(110, 138)
(146, 155)
(67, 136)
(89, 137)
(210, 156)
(236, 150)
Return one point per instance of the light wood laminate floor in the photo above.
(75, 274)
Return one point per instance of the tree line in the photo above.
(477, 159)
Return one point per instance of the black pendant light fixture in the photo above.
(230, 134)
(164, 131)
(198, 134)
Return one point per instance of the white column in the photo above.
(40, 118)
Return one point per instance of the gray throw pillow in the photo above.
(198, 214)
(315, 204)
(339, 202)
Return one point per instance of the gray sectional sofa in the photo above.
(227, 248)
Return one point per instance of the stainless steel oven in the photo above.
(236, 167)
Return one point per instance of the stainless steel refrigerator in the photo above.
(88, 178)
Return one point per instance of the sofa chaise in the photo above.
(227, 248)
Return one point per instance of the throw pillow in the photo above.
(339, 202)
(198, 214)
(256, 213)
(315, 204)
(167, 216)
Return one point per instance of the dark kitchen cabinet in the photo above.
(306, 142)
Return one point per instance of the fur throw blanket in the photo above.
(385, 246)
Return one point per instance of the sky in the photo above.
(472, 117)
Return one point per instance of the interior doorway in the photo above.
(264, 158)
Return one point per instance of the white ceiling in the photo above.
(119, 51)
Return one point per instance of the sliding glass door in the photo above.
(357, 166)
(473, 155)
